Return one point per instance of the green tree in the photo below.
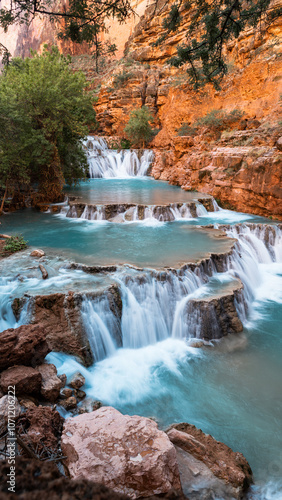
(213, 24)
(138, 128)
(44, 112)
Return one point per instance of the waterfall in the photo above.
(99, 323)
(156, 305)
(149, 305)
(106, 163)
(201, 210)
(256, 245)
(120, 212)
(93, 213)
(7, 317)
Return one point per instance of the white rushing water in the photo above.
(155, 306)
(107, 163)
(138, 213)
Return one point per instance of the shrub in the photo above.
(186, 129)
(15, 244)
(121, 78)
(138, 128)
(218, 119)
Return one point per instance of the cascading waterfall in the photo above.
(161, 213)
(149, 311)
(100, 323)
(7, 317)
(154, 305)
(256, 245)
(107, 163)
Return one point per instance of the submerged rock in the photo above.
(77, 381)
(127, 453)
(37, 253)
(43, 272)
(224, 463)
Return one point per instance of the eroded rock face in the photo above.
(128, 454)
(60, 315)
(25, 379)
(214, 318)
(25, 345)
(224, 463)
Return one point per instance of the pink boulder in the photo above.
(126, 453)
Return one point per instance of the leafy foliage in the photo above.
(186, 129)
(213, 24)
(15, 244)
(44, 110)
(121, 78)
(80, 21)
(216, 120)
(138, 128)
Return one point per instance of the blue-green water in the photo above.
(161, 244)
(135, 190)
(232, 389)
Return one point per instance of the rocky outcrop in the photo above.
(245, 178)
(25, 345)
(215, 317)
(59, 315)
(25, 379)
(128, 454)
(225, 464)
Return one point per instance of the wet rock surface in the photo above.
(214, 318)
(128, 454)
(231, 467)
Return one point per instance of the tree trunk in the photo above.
(4, 198)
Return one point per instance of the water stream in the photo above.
(145, 362)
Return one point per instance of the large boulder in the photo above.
(25, 379)
(50, 384)
(224, 463)
(25, 345)
(126, 453)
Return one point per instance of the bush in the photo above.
(186, 129)
(138, 128)
(121, 78)
(15, 244)
(217, 119)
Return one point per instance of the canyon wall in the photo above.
(240, 165)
